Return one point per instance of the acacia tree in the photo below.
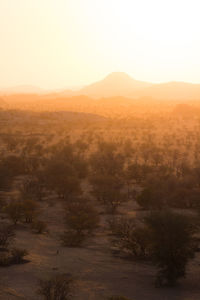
(14, 210)
(19, 210)
(106, 176)
(173, 244)
(164, 237)
(108, 190)
(29, 210)
(107, 160)
(131, 237)
(6, 235)
(81, 220)
(32, 188)
(62, 177)
(10, 167)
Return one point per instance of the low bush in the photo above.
(13, 257)
(6, 235)
(131, 238)
(81, 221)
(18, 255)
(56, 288)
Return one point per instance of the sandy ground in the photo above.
(98, 274)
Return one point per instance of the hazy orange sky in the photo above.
(64, 43)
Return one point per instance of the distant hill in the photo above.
(122, 85)
(23, 89)
(115, 84)
(173, 90)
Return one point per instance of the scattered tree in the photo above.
(81, 220)
(173, 244)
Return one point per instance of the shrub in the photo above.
(173, 244)
(14, 211)
(18, 255)
(29, 210)
(81, 220)
(6, 235)
(17, 210)
(56, 288)
(62, 177)
(32, 188)
(108, 191)
(14, 256)
(130, 237)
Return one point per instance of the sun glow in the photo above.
(78, 41)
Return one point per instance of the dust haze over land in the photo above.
(116, 95)
(84, 177)
(119, 84)
(100, 150)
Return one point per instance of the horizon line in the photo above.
(78, 87)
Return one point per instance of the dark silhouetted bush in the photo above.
(81, 221)
(56, 288)
(173, 244)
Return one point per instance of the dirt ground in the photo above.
(97, 272)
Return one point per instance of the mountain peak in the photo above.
(115, 84)
(118, 76)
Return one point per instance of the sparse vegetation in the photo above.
(173, 244)
(17, 255)
(131, 238)
(81, 221)
(14, 211)
(56, 288)
(127, 187)
(6, 235)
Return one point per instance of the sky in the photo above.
(56, 44)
